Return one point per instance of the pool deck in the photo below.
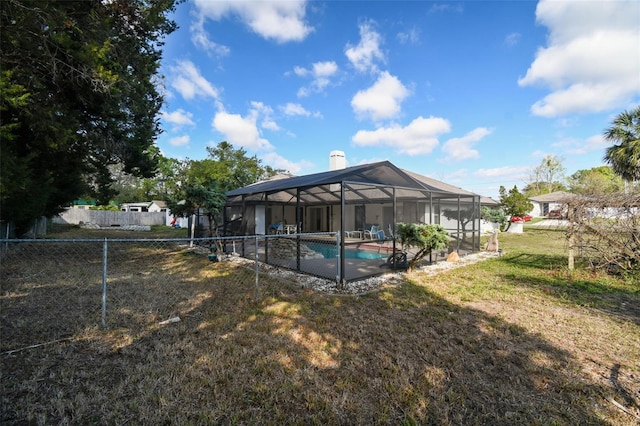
(354, 269)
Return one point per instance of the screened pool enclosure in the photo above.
(355, 209)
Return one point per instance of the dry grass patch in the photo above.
(506, 341)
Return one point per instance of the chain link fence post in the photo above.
(104, 283)
(257, 271)
(338, 261)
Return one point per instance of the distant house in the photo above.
(83, 204)
(144, 206)
(548, 203)
(157, 206)
(135, 207)
(153, 207)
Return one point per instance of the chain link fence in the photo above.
(51, 289)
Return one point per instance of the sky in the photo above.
(472, 93)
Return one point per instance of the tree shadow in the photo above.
(554, 280)
(399, 356)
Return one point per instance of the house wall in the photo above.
(153, 207)
(537, 209)
(373, 214)
(541, 209)
(134, 207)
(350, 218)
(448, 224)
(290, 215)
(382, 215)
(334, 215)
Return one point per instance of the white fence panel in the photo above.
(110, 218)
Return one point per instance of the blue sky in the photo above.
(472, 93)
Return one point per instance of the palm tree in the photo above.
(624, 155)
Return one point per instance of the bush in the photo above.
(425, 238)
(492, 215)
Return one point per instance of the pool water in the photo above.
(330, 252)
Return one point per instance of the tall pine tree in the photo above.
(80, 95)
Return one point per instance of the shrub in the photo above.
(425, 238)
(492, 215)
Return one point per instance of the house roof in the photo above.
(366, 181)
(437, 185)
(138, 204)
(553, 197)
(82, 202)
(488, 201)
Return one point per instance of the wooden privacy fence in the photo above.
(110, 218)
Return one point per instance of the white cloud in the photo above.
(500, 172)
(539, 154)
(190, 83)
(324, 69)
(178, 118)
(446, 7)
(279, 162)
(579, 146)
(382, 100)
(418, 137)
(364, 55)
(270, 124)
(294, 109)
(282, 21)
(457, 175)
(300, 71)
(200, 38)
(458, 149)
(589, 63)
(179, 140)
(512, 39)
(321, 73)
(241, 131)
(259, 109)
(411, 36)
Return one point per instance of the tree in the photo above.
(209, 200)
(596, 181)
(425, 238)
(204, 183)
(514, 203)
(547, 177)
(233, 169)
(82, 96)
(624, 154)
(165, 184)
(538, 188)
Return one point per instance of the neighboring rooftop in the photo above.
(553, 197)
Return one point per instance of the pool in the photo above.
(330, 252)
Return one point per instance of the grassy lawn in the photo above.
(512, 340)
